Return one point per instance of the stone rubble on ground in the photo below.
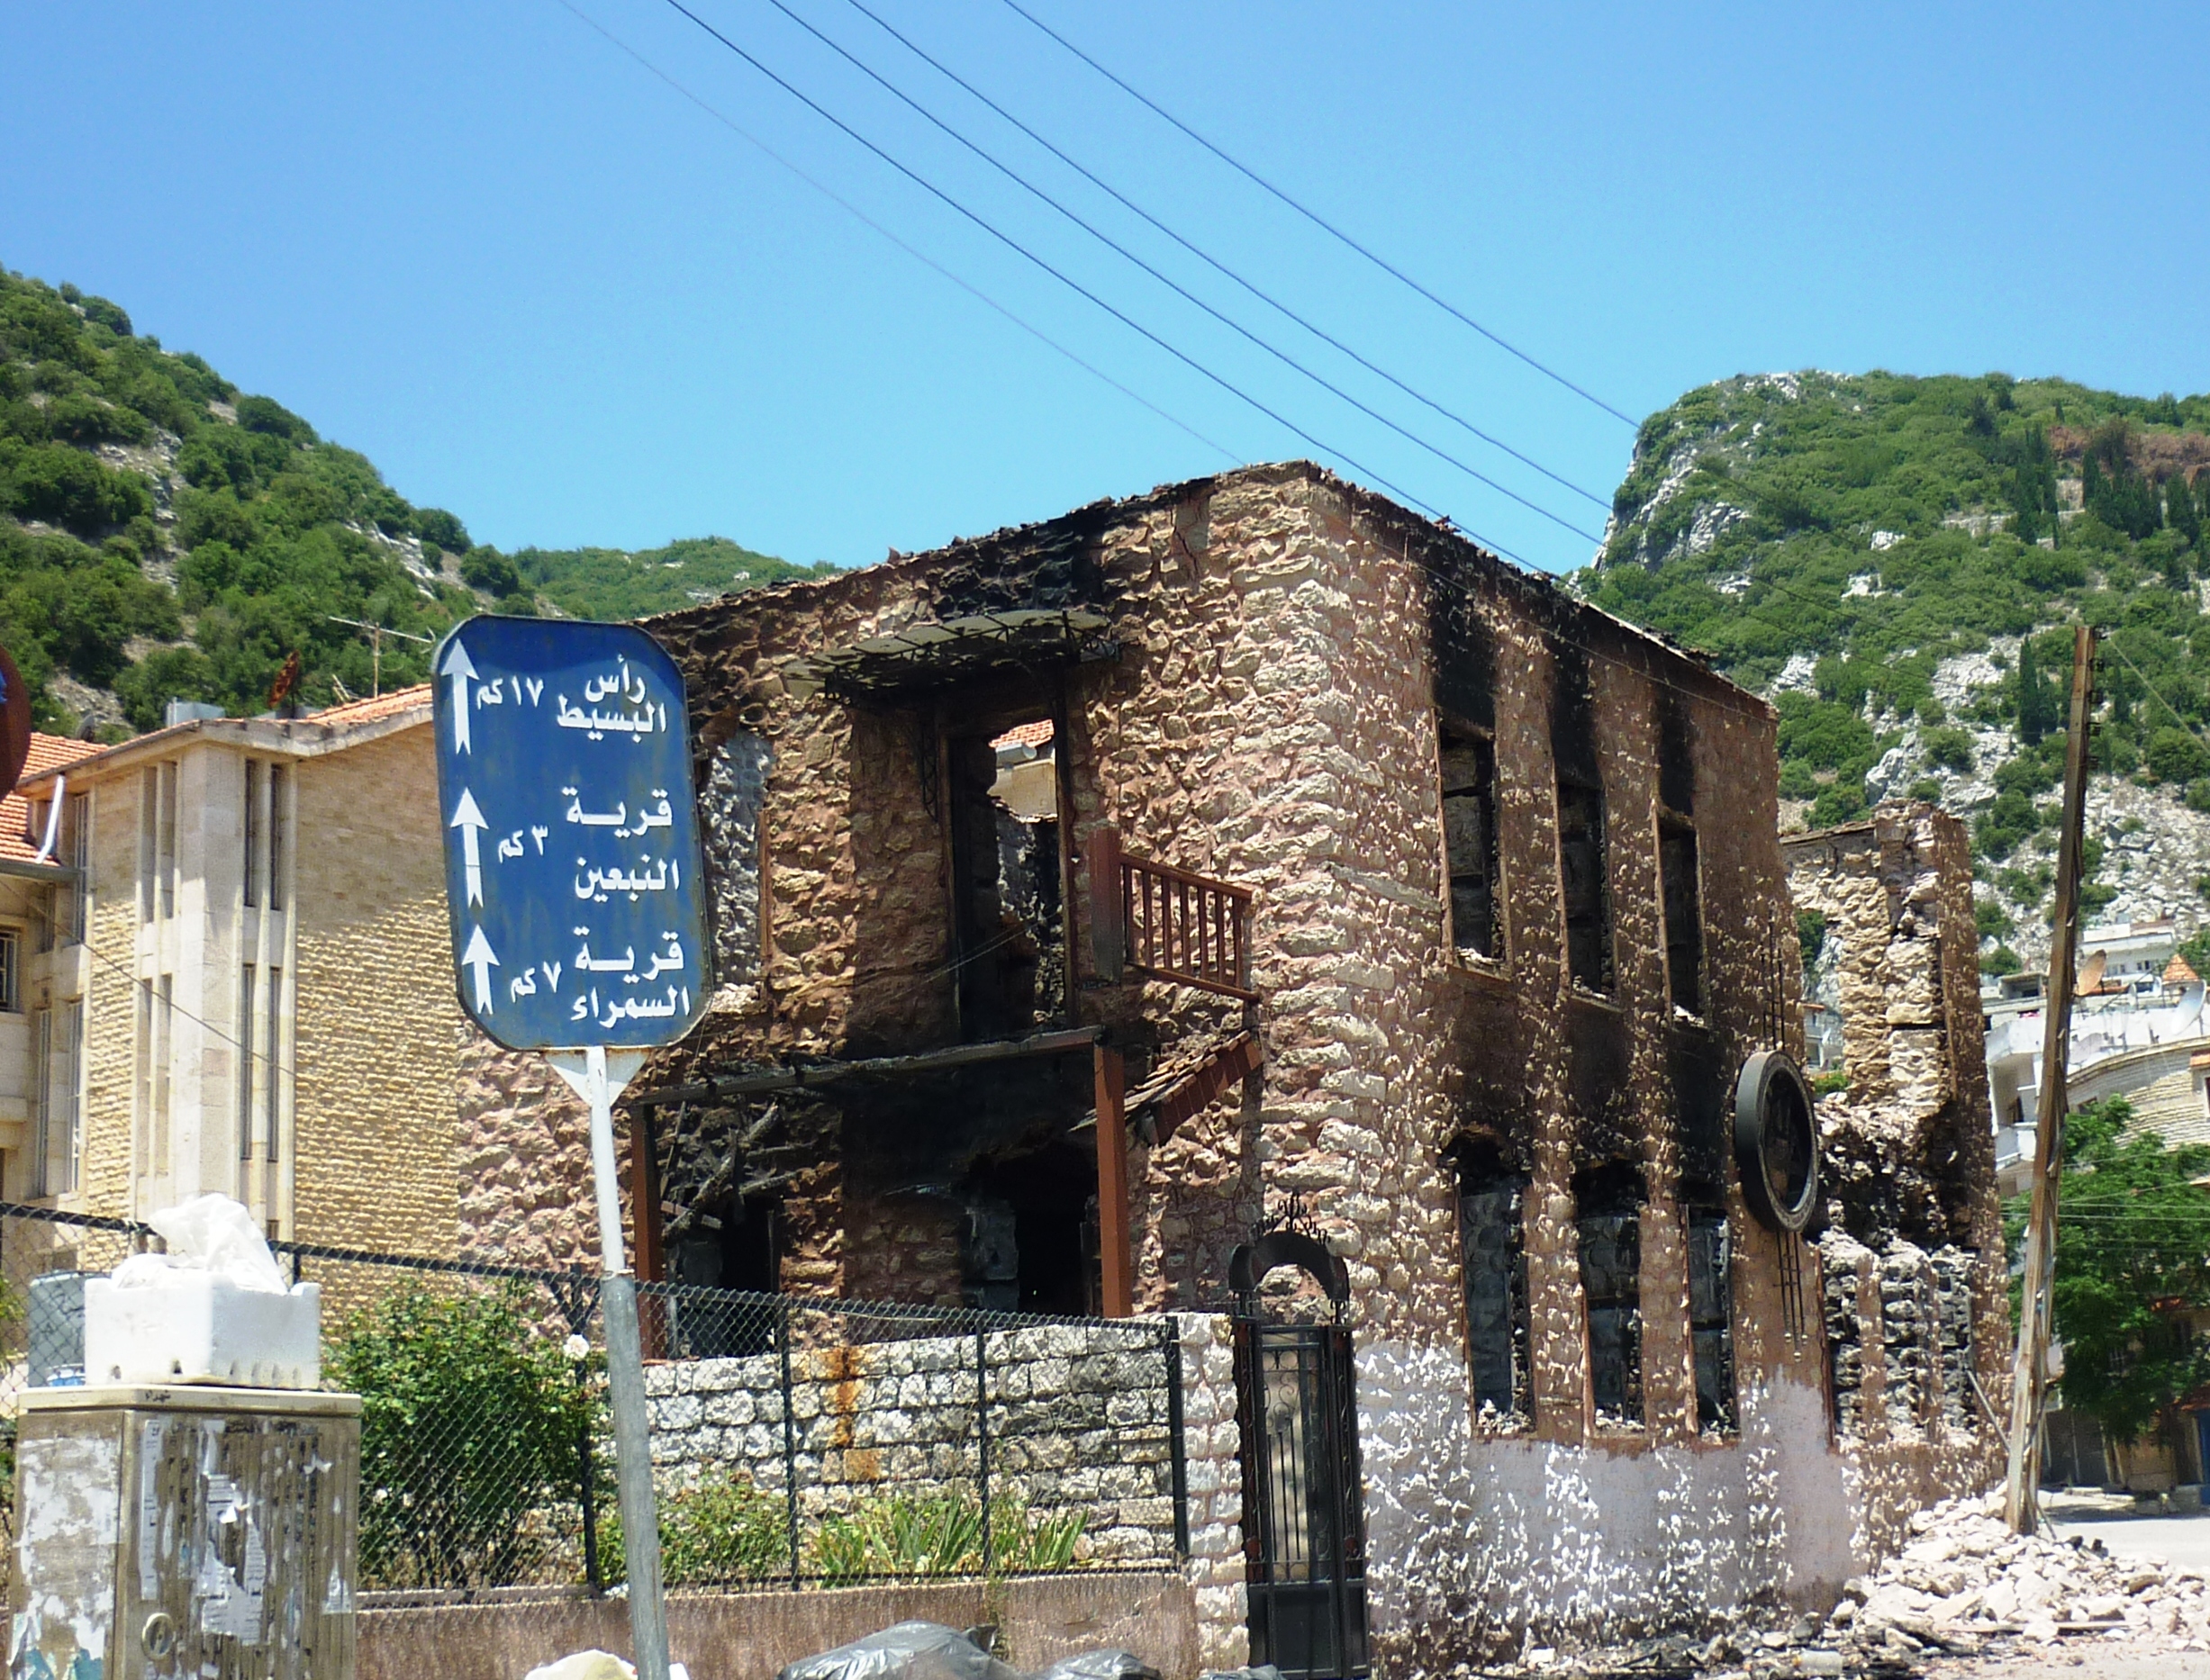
(1964, 1585)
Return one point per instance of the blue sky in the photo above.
(537, 286)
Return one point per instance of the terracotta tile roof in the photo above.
(369, 710)
(2179, 971)
(47, 752)
(1026, 735)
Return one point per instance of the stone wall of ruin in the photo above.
(1271, 719)
(1916, 1302)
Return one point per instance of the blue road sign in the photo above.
(571, 835)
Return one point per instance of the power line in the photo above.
(1218, 266)
(1072, 284)
(920, 256)
(1319, 221)
(1164, 279)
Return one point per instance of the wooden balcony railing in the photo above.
(1168, 923)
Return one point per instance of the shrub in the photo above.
(903, 1536)
(167, 674)
(470, 1420)
(1949, 749)
(1838, 803)
(437, 526)
(65, 486)
(2177, 756)
(491, 572)
(1810, 934)
(271, 418)
(710, 1532)
(2000, 960)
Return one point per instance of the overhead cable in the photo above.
(1073, 285)
(1319, 221)
(920, 256)
(1181, 291)
(1218, 266)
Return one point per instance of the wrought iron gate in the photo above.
(1304, 1503)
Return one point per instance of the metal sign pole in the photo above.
(598, 1078)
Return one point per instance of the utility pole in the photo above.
(2030, 1370)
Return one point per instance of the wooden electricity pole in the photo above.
(2030, 1370)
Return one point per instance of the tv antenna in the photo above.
(376, 633)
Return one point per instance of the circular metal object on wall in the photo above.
(14, 725)
(1776, 1141)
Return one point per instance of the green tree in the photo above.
(2183, 513)
(2033, 696)
(470, 1420)
(2176, 755)
(2133, 1260)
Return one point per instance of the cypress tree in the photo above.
(2183, 512)
(2032, 724)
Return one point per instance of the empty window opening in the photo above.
(1953, 1270)
(1469, 771)
(1029, 1240)
(10, 969)
(1584, 885)
(729, 1256)
(1492, 1239)
(1609, 1204)
(1009, 932)
(730, 804)
(1684, 929)
(1845, 1349)
(1711, 1317)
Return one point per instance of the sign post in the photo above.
(571, 878)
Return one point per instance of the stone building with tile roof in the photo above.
(240, 980)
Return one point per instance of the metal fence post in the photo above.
(1170, 1342)
(579, 1310)
(790, 1444)
(981, 1438)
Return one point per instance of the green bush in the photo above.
(1810, 934)
(470, 1422)
(710, 1532)
(65, 486)
(1838, 803)
(441, 529)
(1949, 749)
(1999, 961)
(491, 572)
(2177, 756)
(905, 1537)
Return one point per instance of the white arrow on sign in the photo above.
(471, 824)
(458, 667)
(478, 956)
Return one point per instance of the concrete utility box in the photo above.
(166, 1533)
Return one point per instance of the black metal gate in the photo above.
(1304, 1503)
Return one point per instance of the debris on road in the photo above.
(1963, 1585)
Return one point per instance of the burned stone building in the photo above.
(1255, 857)
(1915, 1284)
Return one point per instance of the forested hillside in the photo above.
(164, 536)
(1895, 560)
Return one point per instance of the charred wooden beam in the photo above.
(819, 1073)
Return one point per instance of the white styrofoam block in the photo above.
(197, 1327)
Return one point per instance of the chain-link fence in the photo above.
(794, 1441)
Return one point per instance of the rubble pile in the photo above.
(1963, 1585)
(1965, 1580)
